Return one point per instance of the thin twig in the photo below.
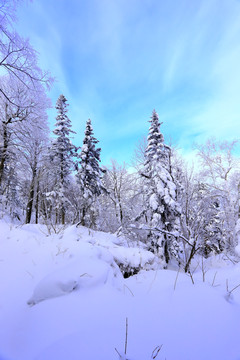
(86, 274)
(29, 273)
(214, 278)
(203, 270)
(228, 258)
(118, 353)
(175, 283)
(126, 338)
(129, 290)
(156, 351)
(234, 288)
(190, 274)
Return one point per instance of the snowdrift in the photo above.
(63, 296)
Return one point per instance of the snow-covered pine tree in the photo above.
(162, 210)
(61, 153)
(89, 176)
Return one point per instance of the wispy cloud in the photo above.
(117, 60)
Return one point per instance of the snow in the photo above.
(237, 231)
(64, 297)
(153, 201)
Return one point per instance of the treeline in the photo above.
(175, 210)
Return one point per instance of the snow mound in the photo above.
(84, 273)
(88, 259)
(133, 257)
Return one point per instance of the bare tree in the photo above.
(20, 126)
(120, 202)
(17, 57)
(220, 173)
(31, 106)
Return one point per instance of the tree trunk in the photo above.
(63, 214)
(4, 151)
(83, 216)
(31, 191)
(31, 197)
(192, 253)
(37, 203)
(30, 203)
(166, 251)
(62, 210)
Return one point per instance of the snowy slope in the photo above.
(64, 297)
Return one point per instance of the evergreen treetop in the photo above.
(89, 174)
(62, 148)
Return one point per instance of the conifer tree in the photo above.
(62, 152)
(89, 175)
(162, 209)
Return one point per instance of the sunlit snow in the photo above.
(63, 297)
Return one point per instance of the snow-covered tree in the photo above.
(220, 171)
(20, 126)
(119, 206)
(162, 210)
(22, 99)
(61, 153)
(17, 57)
(34, 146)
(89, 176)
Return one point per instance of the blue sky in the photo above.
(116, 60)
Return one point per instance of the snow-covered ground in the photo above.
(62, 296)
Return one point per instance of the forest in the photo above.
(131, 261)
(175, 208)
